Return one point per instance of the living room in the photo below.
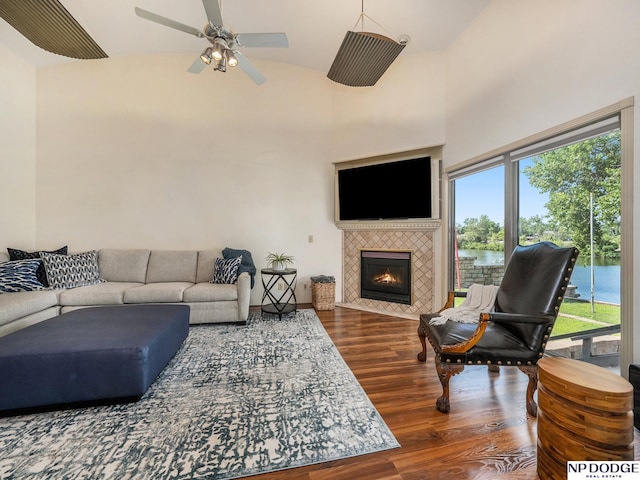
(131, 152)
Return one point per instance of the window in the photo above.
(566, 189)
(479, 228)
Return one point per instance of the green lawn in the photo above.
(609, 314)
(603, 312)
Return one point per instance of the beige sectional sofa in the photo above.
(136, 276)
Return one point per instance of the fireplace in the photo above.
(386, 275)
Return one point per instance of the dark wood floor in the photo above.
(487, 435)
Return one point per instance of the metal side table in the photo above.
(279, 302)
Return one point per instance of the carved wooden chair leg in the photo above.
(532, 372)
(422, 356)
(445, 372)
(494, 368)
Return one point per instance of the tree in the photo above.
(533, 227)
(480, 233)
(569, 175)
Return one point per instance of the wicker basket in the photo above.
(323, 295)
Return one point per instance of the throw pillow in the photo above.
(41, 275)
(70, 271)
(226, 270)
(19, 276)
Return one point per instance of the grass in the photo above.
(603, 312)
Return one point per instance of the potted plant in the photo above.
(279, 261)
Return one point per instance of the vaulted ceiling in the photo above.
(315, 29)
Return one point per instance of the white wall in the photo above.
(17, 151)
(131, 151)
(525, 66)
(404, 110)
(136, 152)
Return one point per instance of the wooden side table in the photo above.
(584, 413)
(276, 301)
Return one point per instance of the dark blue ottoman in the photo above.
(89, 355)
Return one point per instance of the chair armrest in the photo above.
(495, 317)
(465, 346)
(501, 317)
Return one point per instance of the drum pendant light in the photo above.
(363, 56)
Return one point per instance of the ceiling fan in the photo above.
(224, 42)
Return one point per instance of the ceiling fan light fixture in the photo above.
(206, 55)
(232, 60)
(221, 65)
(222, 41)
(219, 47)
(217, 52)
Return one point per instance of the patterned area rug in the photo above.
(234, 401)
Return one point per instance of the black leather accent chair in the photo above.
(516, 332)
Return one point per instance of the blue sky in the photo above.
(483, 193)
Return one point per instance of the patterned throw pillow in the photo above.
(41, 275)
(70, 271)
(19, 276)
(226, 270)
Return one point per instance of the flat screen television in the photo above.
(386, 191)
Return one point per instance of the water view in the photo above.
(606, 275)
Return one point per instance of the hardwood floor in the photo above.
(487, 435)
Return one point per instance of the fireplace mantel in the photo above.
(427, 225)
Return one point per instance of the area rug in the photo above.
(234, 401)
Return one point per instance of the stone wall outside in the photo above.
(483, 274)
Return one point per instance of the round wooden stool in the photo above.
(585, 412)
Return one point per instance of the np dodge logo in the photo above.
(603, 470)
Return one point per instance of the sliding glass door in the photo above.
(479, 228)
(566, 190)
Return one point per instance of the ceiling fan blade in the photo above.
(214, 15)
(168, 22)
(274, 40)
(250, 69)
(197, 66)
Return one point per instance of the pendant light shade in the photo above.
(363, 58)
(206, 55)
(47, 24)
(231, 58)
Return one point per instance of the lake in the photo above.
(606, 275)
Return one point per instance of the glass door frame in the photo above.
(623, 113)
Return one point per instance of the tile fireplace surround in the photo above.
(419, 238)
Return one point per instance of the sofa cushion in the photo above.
(20, 276)
(70, 271)
(172, 266)
(226, 270)
(108, 293)
(159, 292)
(20, 304)
(122, 265)
(16, 254)
(206, 264)
(209, 292)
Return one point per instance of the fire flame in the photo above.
(385, 278)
